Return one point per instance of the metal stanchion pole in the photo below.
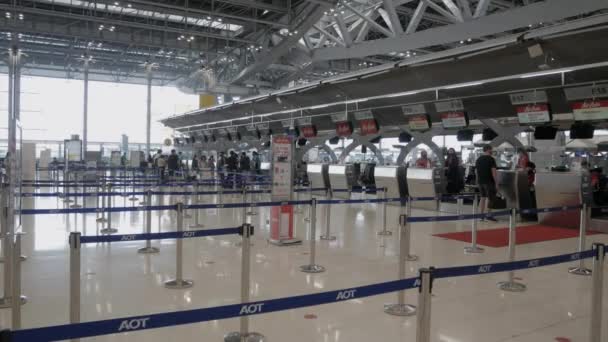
(312, 267)
(103, 203)
(66, 187)
(384, 231)
(148, 215)
(16, 289)
(473, 248)
(244, 335)
(511, 285)
(197, 200)
(108, 229)
(75, 273)
(298, 209)
(402, 309)
(179, 282)
(581, 269)
(328, 235)
(423, 317)
(187, 199)
(597, 294)
(307, 219)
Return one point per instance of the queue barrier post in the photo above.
(75, 204)
(16, 286)
(12, 259)
(148, 218)
(244, 334)
(66, 187)
(197, 200)
(298, 209)
(402, 309)
(312, 266)
(252, 211)
(108, 229)
(423, 314)
(328, 235)
(581, 269)
(133, 198)
(179, 283)
(307, 219)
(102, 218)
(597, 295)
(473, 248)
(511, 285)
(384, 231)
(75, 272)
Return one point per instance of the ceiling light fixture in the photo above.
(545, 73)
(463, 85)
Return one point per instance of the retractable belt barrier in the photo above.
(160, 320)
(159, 236)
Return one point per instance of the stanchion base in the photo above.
(473, 250)
(197, 225)
(385, 233)
(108, 231)
(133, 199)
(148, 250)
(328, 238)
(580, 271)
(512, 286)
(411, 258)
(75, 206)
(249, 337)
(312, 269)
(251, 213)
(6, 302)
(101, 220)
(179, 284)
(68, 201)
(400, 309)
(285, 242)
(143, 203)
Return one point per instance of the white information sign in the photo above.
(282, 150)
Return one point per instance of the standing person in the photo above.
(245, 162)
(423, 162)
(221, 163)
(452, 172)
(161, 164)
(173, 163)
(195, 163)
(523, 159)
(257, 164)
(485, 168)
(211, 163)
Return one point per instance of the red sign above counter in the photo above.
(308, 131)
(454, 120)
(344, 129)
(420, 122)
(534, 113)
(368, 126)
(591, 110)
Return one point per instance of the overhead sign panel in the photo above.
(587, 92)
(454, 120)
(419, 122)
(449, 106)
(339, 117)
(363, 114)
(344, 129)
(590, 111)
(413, 109)
(534, 114)
(368, 126)
(538, 96)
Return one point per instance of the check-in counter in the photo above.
(367, 178)
(343, 177)
(318, 177)
(265, 168)
(393, 179)
(557, 189)
(425, 183)
(513, 185)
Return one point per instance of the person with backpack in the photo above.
(485, 169)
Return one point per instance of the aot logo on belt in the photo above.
(133, 324)
(346, 294)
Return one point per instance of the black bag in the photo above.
(497, 202)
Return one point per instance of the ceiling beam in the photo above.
(306, 20)
(495, 23)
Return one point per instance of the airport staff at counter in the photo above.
(453, 173)
(423, 162)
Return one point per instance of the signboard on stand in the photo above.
(281, 217)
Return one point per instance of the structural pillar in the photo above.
(148, 108)
(85, 111)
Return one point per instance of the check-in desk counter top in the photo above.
(513, 185)
(318, 177)
(265, 168)
(393, 179)
(425, 183)
(556, 189)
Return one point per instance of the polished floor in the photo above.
(118, 282)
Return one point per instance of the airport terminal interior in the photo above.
(303, 170)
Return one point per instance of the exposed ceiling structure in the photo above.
(249, 47)
(482, 75)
